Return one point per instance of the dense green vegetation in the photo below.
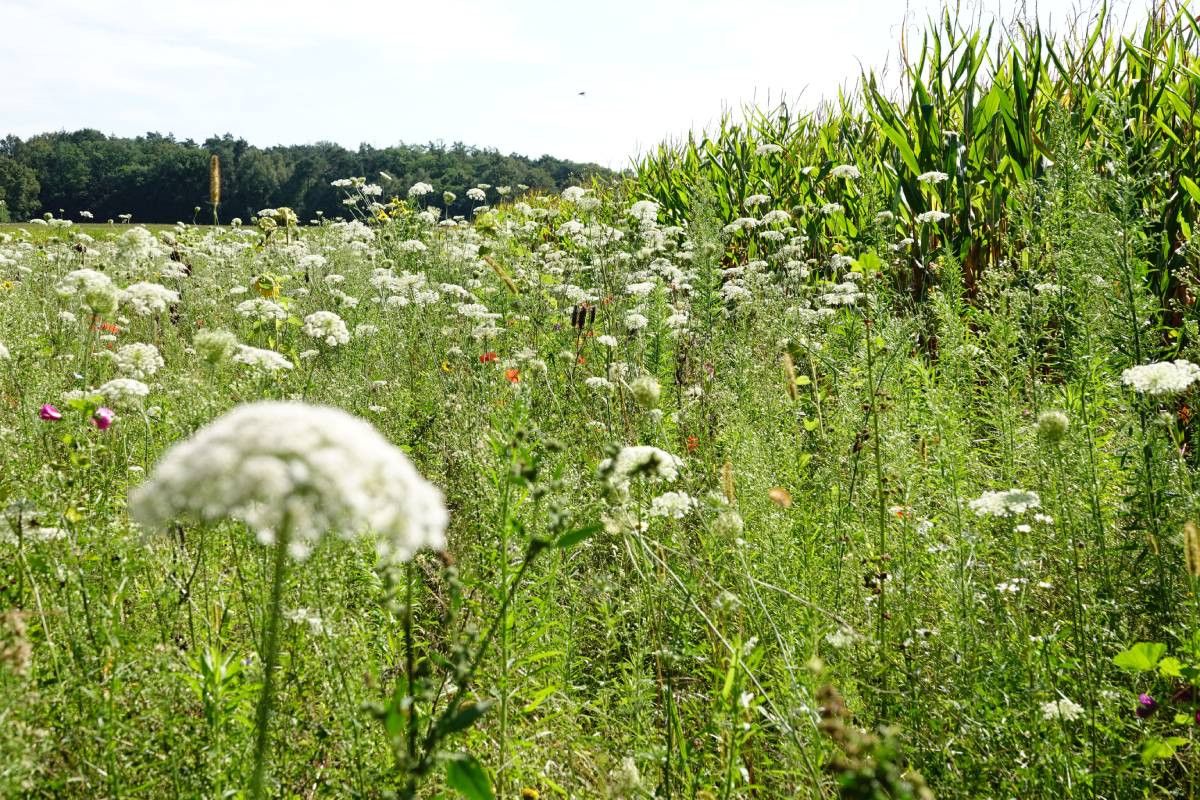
(844, 455)
(948, 161)
(155, 178)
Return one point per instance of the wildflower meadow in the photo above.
(856, 461)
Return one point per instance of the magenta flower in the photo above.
(49, 413)
(1146, 705)
(103, 418)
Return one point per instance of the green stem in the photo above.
(266, 699)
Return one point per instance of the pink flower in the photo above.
(103, 417)
(49, 413)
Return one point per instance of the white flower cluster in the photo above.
(296, 471)
(214, 346)
(94, 290)
(145, 299)
(1064, 709)
(326, 326)
(674, 505)
(138, 360)
(1162, 377)
(1007, 503)
(932, 216)
(260, 309)
(640, 460)
(123, 391)
(261, 359)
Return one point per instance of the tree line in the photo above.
(156, 178)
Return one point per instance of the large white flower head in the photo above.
(94, 290)
(419, 189)
(296, 471)
(326, 326)
(138, 360)
(1162, 377)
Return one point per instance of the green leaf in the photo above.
(1170, 667)
(572, 538)
(538, 698)
(466, 775)
(463, 718)
(1142, 657)
(1155, 749)
(1190, 185)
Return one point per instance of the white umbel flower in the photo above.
(675, 505)
(313, 469)
(1162, 377)
(328, 327)
(1064, 709)
(94, 290)
(261, 359)
(1007, 503)
(261, 309)
(146, 299)
(138, 360)
(643, 460)
(123, 391)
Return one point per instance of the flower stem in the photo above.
(271, 647)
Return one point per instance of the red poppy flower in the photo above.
(488, 357)
(512, 375)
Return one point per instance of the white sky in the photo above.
(503, 74)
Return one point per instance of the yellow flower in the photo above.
(530, 793)
(267, 285)
(445, 366)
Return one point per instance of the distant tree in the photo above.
(19, 190)
(157, 178)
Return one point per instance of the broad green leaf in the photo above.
(1142, 657)
(467, 776)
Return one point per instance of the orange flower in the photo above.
(692, 443)
(512, 375)
(581, 361)
(488, 357)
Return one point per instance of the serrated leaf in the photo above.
(466, 775)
